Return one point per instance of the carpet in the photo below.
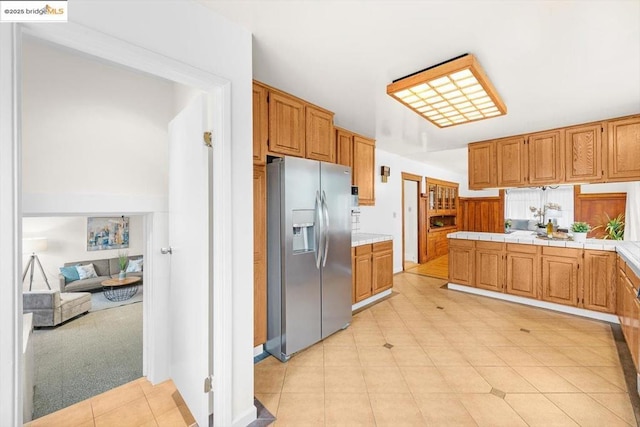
(99, 302)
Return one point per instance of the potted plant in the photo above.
(507, 225)
(580, 230)
(123, 259)
(613, 227)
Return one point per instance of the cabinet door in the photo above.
(259, 255)
(482, 165)
(260, 123)
(545, 158)
(560, 280)
(461, 261)
(523, 271)
(344, 148)
(363, 279)
(599, 281)
(583, 153)
(382, 270)
(489, 272)
(512, 163)
(364, 160)
(286, 125)
(319, 135)
(623, 149)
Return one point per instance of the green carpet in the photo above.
(86, 356)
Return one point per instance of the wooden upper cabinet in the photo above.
(623, 149)
(583, 153)
(344, 147)
(319, 135)
(364, 160)
(286, 124)
(482, 165)
(512, 162)
(545, 152)
(599, 281)
(260, 123)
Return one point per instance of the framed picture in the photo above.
(107, 233)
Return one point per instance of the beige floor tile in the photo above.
(164, 398)
(493, 339)
(301, 409)
(344, 380)
(584, 410)
(376, 356)
(465, 379)
(480, 356)
(396, 410)
(269, 378)
(400, 338)
(73, 415)
(313, 356)
(523, 339)
(586, 380)
(538, 411)
(431, 339)
(177, 417)
(341, 356)
(133, 413)
(491, 411)
(585, 357)
(304, 379)
(411, 356)
(445, 356)
(369, 338)
(545, 380)
(426, 379)
(270, 401)
(506, 379)
(461, 338)
(516, 356)
(550, 356)
(384, 380)
(342, 338)
(611, 373)
(443, 409)
(618, 403)
(348, 409)
(115, 398)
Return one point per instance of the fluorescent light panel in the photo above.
(452, 93)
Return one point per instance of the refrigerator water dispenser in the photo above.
(303, 231)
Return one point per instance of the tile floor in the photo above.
(137, 403)
(455, 359)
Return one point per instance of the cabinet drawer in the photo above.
(383, 246)
(633, 278)
(461, 243)
(563, 252)
(492, 246)
(363, 250)
(523, 249)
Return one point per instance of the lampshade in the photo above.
(34, 244)
(450, 93)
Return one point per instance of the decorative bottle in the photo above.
(549, 229)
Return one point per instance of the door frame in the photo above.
(100, 45)
(418, 179)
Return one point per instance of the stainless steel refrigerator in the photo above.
(308, 253)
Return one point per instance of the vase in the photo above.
(122, 275)
(579, 237)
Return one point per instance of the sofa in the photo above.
(105, 269)
(50, 308)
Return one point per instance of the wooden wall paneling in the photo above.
(591, 207)
(483, 214)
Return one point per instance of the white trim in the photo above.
(244, 419)
(257, 351)
(536, 303)
(371, 299)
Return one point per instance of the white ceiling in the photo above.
(554, 63)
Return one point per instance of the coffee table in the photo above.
(120, 289)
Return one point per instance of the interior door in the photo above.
(189, 237)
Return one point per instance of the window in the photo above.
(518, 202)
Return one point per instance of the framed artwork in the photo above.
(107, 233)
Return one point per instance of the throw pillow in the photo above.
(86, 271)
(135, 266)
(70, 273)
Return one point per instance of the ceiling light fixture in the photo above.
(451, 93)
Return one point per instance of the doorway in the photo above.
(411, 229)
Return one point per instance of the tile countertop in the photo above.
(629, 251)
(358, 239)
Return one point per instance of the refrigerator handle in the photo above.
(325, 228)
(316, 230)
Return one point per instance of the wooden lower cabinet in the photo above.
(372, 269)
(599, 280)
(628, 308)
(259, 254)
(523, 270)
(489, 272)
(560, 275)
(461, 261)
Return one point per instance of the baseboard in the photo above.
(371, 299)
(536, 303)
(246, 418)
(257, 351)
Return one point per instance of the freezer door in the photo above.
(301, 316)
(336, 272)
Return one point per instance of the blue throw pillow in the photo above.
(70, 273)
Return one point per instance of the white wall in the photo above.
(67, 242)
